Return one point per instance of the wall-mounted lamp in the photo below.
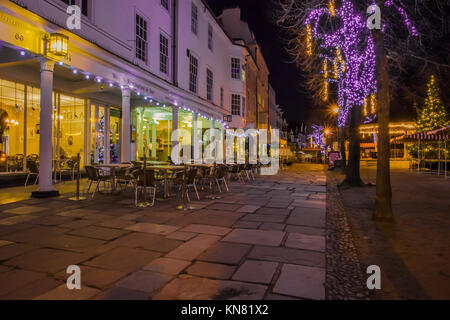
(57, 44)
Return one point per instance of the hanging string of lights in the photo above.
(150, 99)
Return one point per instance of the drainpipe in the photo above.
(174, 42)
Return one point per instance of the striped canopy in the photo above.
(424, 136)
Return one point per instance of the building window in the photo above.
(163, 54)
(194, 19)
(69, 2)
(235, 104)
(165, 4)
(193, 73)
(210, 38)
(85, 7)
(209, 84)
(243, 106)
(222, 97)
(141, 38)
(235, 68)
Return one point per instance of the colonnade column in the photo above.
(174, 128)
(126, 125)
(46, 189)
(197, 154)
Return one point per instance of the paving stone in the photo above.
(302, 282)
(305, 242)
(123, 259)
(167, 266)
(5, 243)
(63, 293)
(264, 218)
(307, 217)
(131, 216)
(272, 226)
(193, 248)
(145, 281)
(249, 208)
(213, 230)
(47, 260)
(287, 255)
(301, 194)
(16, 219)
(224, 207)
(316, 188)
(274, 297)
(153, 228)
(274, 211)
(4, 268)
(98, 233)
(217, 220)
(16, 279)
(116, 223)
(76, 224)
(117, 293)
(25, 210)
(94, 277)
(147, 241)
(180, 235)
(13, 250)
(315, 204)
(256, 271)
(247, 225)
(318, 196)
(188, 289)
(227, 253)
(305, 230)
(32, 290)
(78, 213)
(280, 205)
(211, 270)
(51, 220)
(261, 237)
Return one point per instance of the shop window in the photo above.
(12, 110)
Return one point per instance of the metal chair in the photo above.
(94, 176)
(32, 168)
(150, 184)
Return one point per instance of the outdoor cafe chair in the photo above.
(237, 171)
(190, 180)
(32, 168)
(248, 169)
(94, 176)
(149, 185)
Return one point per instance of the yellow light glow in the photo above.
(309, 44)
(58, 44)
(332, 8)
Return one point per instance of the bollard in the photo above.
(77, 196)
(144, 204)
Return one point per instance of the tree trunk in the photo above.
(342, 147)
(353, 178)
(383, 197)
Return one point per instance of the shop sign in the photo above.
(21, 34)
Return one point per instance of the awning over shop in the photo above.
(423, 136)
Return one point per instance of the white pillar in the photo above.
(154, 140)
(45, 136)
(107, 137)
(174, 128)
(126, 125)
(196, 139)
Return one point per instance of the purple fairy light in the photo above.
(317, 135)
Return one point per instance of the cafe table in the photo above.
(113, 168)
(165, 169)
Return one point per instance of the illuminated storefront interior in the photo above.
(20, 129)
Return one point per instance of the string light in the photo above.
(309, 44)
(332, 8)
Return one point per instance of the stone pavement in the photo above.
(262, 240)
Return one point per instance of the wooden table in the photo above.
(113, 168)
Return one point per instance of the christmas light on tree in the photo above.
(433, 115)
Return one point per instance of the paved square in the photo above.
(262, 237)
(302, 282)
(256, 271)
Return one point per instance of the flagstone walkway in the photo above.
(262, 240)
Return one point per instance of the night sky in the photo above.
(285, 78)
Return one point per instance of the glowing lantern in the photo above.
(57, 44)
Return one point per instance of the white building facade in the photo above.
(132, 73)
